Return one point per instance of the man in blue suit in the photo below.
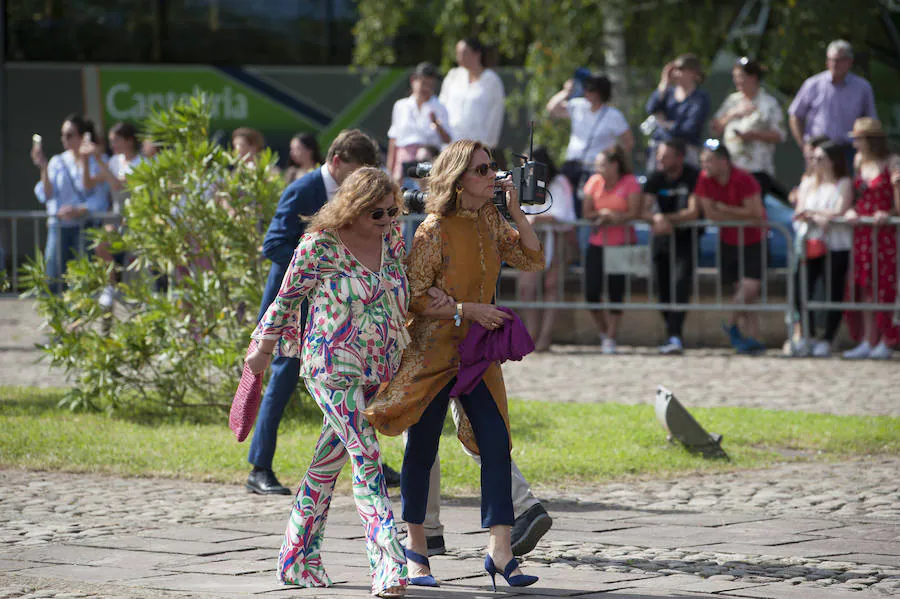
(349, 151)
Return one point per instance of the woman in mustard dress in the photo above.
(458, 249)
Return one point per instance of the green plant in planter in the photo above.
(196, 216)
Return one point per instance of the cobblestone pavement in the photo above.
(706, 378)
(798, 530)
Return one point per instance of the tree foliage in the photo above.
(550, 40)
(195, 213)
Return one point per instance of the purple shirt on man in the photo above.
(831, 109)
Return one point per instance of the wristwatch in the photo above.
(457, 318)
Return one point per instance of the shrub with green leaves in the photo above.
(197, 214)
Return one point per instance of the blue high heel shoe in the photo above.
(420, 581)
(519, 580)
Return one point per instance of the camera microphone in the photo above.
(419, 170)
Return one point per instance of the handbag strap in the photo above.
(72, 183)
(590, 138)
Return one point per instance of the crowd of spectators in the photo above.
(728, 178)
(725, 177)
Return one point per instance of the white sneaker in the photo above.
(608, 346)
(860, 352)
(822, 349)
(881, 352)
(107, 297)
(673, 347)
(800, 348)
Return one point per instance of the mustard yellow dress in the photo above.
(460, 254)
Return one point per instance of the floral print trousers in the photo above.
(346, 434)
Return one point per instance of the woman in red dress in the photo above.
(874, 270)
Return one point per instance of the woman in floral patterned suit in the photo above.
(350, 267)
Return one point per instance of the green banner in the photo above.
(129, 94)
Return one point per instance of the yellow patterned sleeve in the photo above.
(509, 244)
(424, 264)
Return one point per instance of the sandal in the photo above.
(398, 590)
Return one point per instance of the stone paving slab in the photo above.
(782, 591)
(710, 520)
(232, 567)
(828, 546)
(12, 565)
(163, 545)
(64, 553)
(781, 525)
(739, 548)
(210, 583)
(198, 533)
(871, 532)
(868, 558)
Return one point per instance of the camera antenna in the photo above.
(530, 145)
(531, 141)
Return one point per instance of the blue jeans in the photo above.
(422, 443)
(63, 244)
(282, 383)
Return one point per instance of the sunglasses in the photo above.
(379, 213)
(482, 169)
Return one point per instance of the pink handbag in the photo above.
(245, 404)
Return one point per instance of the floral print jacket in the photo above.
(356, 329)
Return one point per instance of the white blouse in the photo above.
(476, 108)
(826, 197)
(592, 131)
(411, 124)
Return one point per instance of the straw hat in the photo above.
(867, 127)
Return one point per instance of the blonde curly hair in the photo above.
(360, 192)
(449, 167)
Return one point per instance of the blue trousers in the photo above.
(63, 244)
(282, 383)
(493, 445)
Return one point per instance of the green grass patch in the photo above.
(555, 444)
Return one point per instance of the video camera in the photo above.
(529, 179)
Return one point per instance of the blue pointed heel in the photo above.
(519, 580)
(420, 581)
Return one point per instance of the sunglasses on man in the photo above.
(379, 213)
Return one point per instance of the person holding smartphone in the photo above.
(72, 189)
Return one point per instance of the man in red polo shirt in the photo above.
(727, 193)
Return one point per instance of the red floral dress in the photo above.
(876, 195)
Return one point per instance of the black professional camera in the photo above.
(415, 199)
(530, 181)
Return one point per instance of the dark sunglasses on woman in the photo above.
(379, 213)
(482, 169)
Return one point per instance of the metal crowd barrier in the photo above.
(634, 261)
(637, 263)
(809, 304)
(16, 225)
